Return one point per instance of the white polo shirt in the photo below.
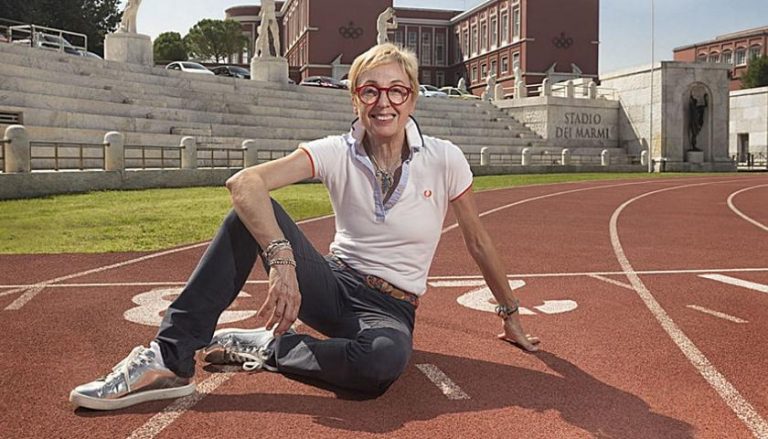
(397, 240)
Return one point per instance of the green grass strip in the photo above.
(155, 219)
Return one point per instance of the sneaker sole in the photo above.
(89, 402)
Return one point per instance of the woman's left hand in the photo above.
(514, 334)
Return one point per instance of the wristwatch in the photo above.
(504, 311)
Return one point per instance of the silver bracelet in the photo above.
(281, 261)
(504, 311)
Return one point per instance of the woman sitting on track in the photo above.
(390, 187)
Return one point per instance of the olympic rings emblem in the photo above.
(562, 42)
(351, 31)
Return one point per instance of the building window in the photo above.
(426, 48)
(494, 32)
(459, 49)
(702, 57)
(413, 40)
(516, 23)
(440, 49)
(467, 50)
(440, 78)
(474, 74)
(504, 27)
(483, 71)
(754, 52)
(741, 56)
(516, 61)
(426, 76)
(493, 68)
(483, 36)
(504, 65)
(474, 48)
(399, 38)
(727, 57)
(714, 57)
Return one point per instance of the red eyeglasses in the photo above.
(369, 94)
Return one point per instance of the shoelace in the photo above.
(139, 355)
(252, 358)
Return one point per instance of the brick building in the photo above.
(544, 38)
(734, 49)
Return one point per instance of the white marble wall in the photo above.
(749, 115)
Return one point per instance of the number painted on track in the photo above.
(481, 298)
(153, 303)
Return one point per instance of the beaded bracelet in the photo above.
(276, 246)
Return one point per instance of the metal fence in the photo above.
(548, 158)
(66, 156)
(752, 161)
(220, 157)
(266, 155)
(152, 157)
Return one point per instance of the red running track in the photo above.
(650, 298)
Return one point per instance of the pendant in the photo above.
(386, 182)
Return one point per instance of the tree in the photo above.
(215, 39)
(169, 46)
(757, 73)
(94, 18)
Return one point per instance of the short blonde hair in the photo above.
(384, 54)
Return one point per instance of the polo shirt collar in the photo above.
(354, 138)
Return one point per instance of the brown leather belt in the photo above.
(379, 284)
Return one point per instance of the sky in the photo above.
(625, 25)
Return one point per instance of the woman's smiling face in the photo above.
(383, 120)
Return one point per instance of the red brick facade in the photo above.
(544, 37)
(735, 49)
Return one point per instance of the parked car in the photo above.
(188, 66)
(322, 81)
(458, 93)
(88, 54)
(232, 72)
(430, 91)
(49, 42)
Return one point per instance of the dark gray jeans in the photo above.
(370, 334)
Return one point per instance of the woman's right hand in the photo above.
(283, 299)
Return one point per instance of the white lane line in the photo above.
(737, 282)
(439, 279)
(728, 393)
(612, 281)
(740, 213)
(19, 303)
(115, 284)
(163, 419)
(22, 300)
(717, 314)
(441, 380)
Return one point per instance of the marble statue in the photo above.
(490, 87)
(462, 84)
(128, 22)
(267, 26)
(383, 24)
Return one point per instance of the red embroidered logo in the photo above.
(427, 193)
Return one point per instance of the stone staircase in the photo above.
(62, 98)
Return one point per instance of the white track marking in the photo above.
(441, 380)
(729, 394)
(163, 419)
(447, 281)
(22, 300)
(152, 304)
(29, 295)
(612, 281)
(717, 314)
(737, 282)
(740, 213)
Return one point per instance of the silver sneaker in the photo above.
(249, 347)
(138, 378)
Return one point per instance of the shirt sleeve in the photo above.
(458, 172)
(323, 153)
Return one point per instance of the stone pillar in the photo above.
(546, 87)
(485, 156)
(592, 89)
(129, 48)
(526, 157)
(251, 153)
(570, 89)
(114, 152)
(605, 158)
(566, 157)
(644, 157)
(520, 90)
(498, 94)
(188, 152)
(17, 154)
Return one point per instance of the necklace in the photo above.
(386, 177)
